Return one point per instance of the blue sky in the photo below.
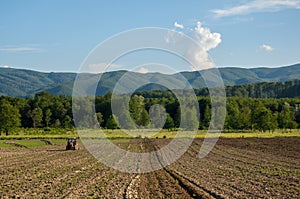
(58, 35)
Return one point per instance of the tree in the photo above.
(238, 115)
(99, 118)
(169, 124)
(84, 113)
(205, 120)
(68, 122)
(9, 116)
(37, 117)
(144, 118)
(264, 119)
(47, 117)
(57, 123)
(233, 116)
(124, 120)
(138, 111)
(245, 117)
(157, 115)
(189, 119)
(286, 119)
(112, 122)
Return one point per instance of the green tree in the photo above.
(169, 124)
(264, 119)
(47, 117)
(37, 117)
(68, 122)
(286, 118)
(189, 119)
(57, 123)
(9, 116)
(177, 117)
(83, 113)
(233, 116)
(157, 115)
(99, 118)
(144, 118)
(205, 120)
(112, 122)
(138, 111)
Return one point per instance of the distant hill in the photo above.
(289, 89)
(25, 83)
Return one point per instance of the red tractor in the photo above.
(72, 144)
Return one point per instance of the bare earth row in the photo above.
(236, 168)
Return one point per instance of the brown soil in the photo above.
(236, 168)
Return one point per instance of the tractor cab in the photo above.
(72, 144)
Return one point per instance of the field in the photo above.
(236, 168)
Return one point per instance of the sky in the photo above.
(58, 35)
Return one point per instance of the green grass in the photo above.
(115, 134)
(40, 133)
(237, 134)
(21, 137)
(4, 145)
(29, 143)
(151, 133)
(34, 141)
(21, 143)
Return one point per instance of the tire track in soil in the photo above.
(130, 192)
(257, 183)
(224, 186)
(190, 187)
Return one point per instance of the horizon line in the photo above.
(218, 67)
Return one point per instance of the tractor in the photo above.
(72, 144)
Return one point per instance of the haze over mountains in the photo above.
(25, 83)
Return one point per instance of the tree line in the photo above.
(288, 89)
(50, 111)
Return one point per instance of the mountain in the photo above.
(25, 83)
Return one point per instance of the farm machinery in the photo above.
(72, 144)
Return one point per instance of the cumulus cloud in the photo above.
(207, 41)
(266, 48)
(206, 38)
(178, 25)
(257, 6)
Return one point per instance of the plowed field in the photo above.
(236, 168)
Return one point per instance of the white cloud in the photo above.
(20, 49)
(143, 70)
(257, 6)
(206, 38)
(206, 41)
(178, 25)
(266, 48)
(5, 66)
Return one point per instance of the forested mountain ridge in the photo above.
(289, 89)
(25, 83)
